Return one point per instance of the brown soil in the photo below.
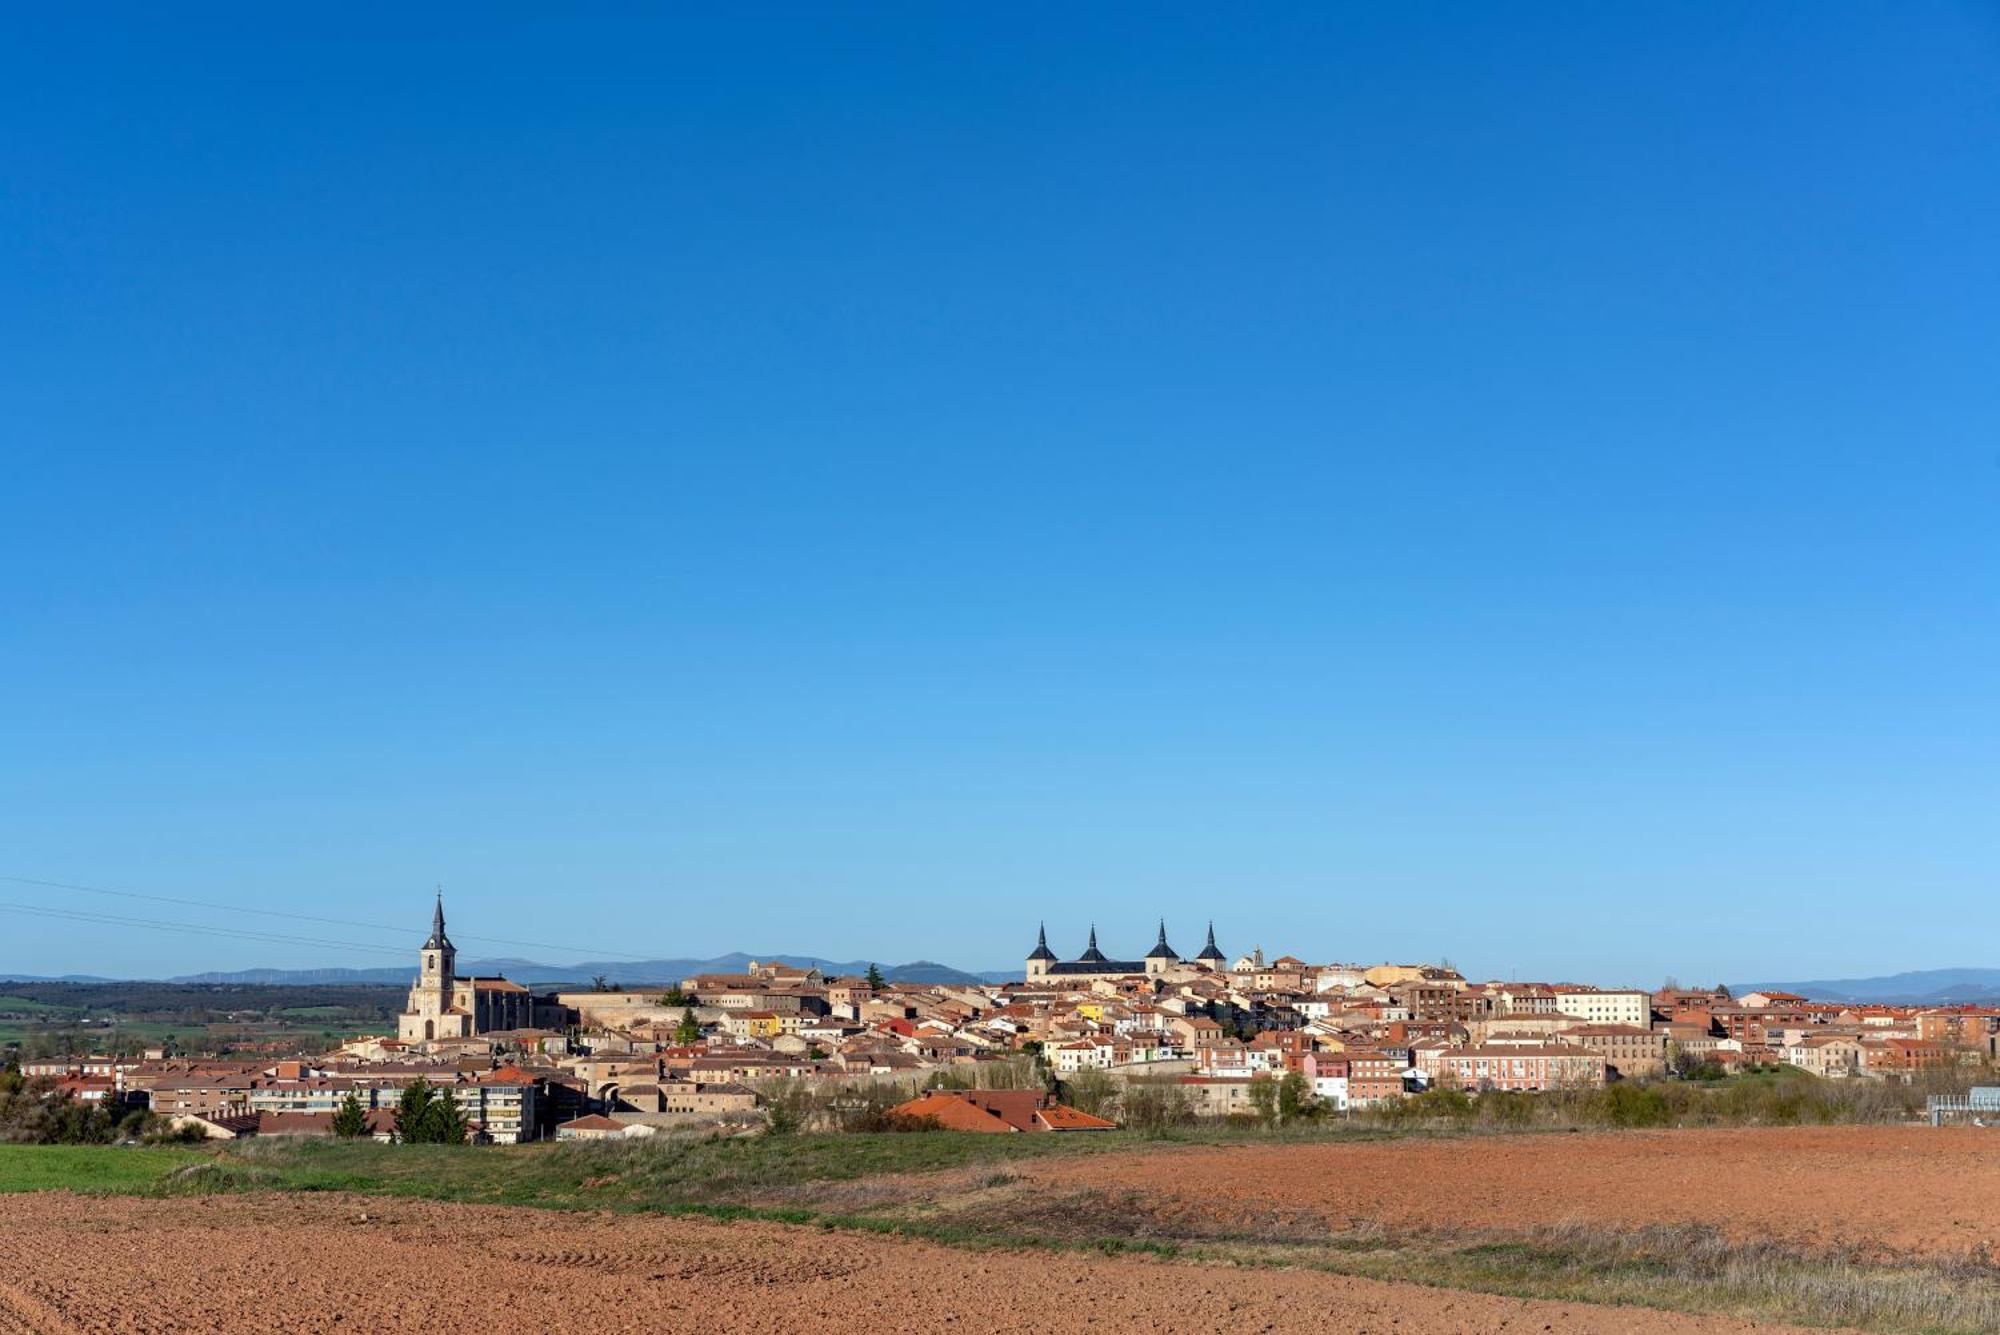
(1906, 1189)
(213, 1266)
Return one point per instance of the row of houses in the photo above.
(701, 1049)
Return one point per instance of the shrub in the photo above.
(1154, 1107)
(1626, 1104)
(1093, 1092)
(1454, 1104)
(1506, 1108)
(161, 1132)
(207, 1179)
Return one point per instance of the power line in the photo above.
(192, 929)
(584, 952)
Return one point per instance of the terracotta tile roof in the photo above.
(507, 1075)
(1061, 1117)
(591, 1122)
(999, 1110)
(954, 1114)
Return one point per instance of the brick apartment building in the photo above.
(1521, 1068)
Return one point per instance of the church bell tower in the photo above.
(440, 957)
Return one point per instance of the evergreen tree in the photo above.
(875, 979)
(411, 1109)
(444, 1121)
(688, 1031)
(350, 1120)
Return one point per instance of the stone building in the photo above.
(1093, 964)
(443, 1005)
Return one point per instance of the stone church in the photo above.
(443, 1005)
(1093, 964)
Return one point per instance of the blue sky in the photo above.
(1519, 485)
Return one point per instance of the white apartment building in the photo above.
(1624, 1006)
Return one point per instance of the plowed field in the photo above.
(1903, 1189)
(319, 1264)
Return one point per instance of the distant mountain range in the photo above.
(532, 972)
(54, 978)
(1924, 987)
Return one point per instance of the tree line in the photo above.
(424, 1115)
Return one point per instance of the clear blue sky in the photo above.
(1517, 484)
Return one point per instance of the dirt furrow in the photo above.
(323, 1265)
(23, 1314)
(1915, 1190)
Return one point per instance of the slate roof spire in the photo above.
(438, 940)
(1041, 950)
(1161, 950)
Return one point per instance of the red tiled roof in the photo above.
(507, 1075)
(591, 1122)
(999, 1110)
(953, 1114)
(1061, 1117)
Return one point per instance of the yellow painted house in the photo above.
(755, 1024)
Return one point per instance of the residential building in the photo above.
(1524, 1069)
(1629, 1051)
(1599, 1006)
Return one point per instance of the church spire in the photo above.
(1161, 950)
(438, 940)
(1042, 951)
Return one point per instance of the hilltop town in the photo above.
(1203, 1036)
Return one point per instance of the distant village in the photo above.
(1212, 1034)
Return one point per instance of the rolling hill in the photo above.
(1922, 987)
(623, 972)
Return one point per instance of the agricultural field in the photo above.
(1874, 1228)
(1888, 1189)
(320, 1264)
(66, 1019)
(28, 1007)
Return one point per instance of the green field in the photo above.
(672, 1172)
(11, 1005)
(110, 1168)
(308, 1032)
